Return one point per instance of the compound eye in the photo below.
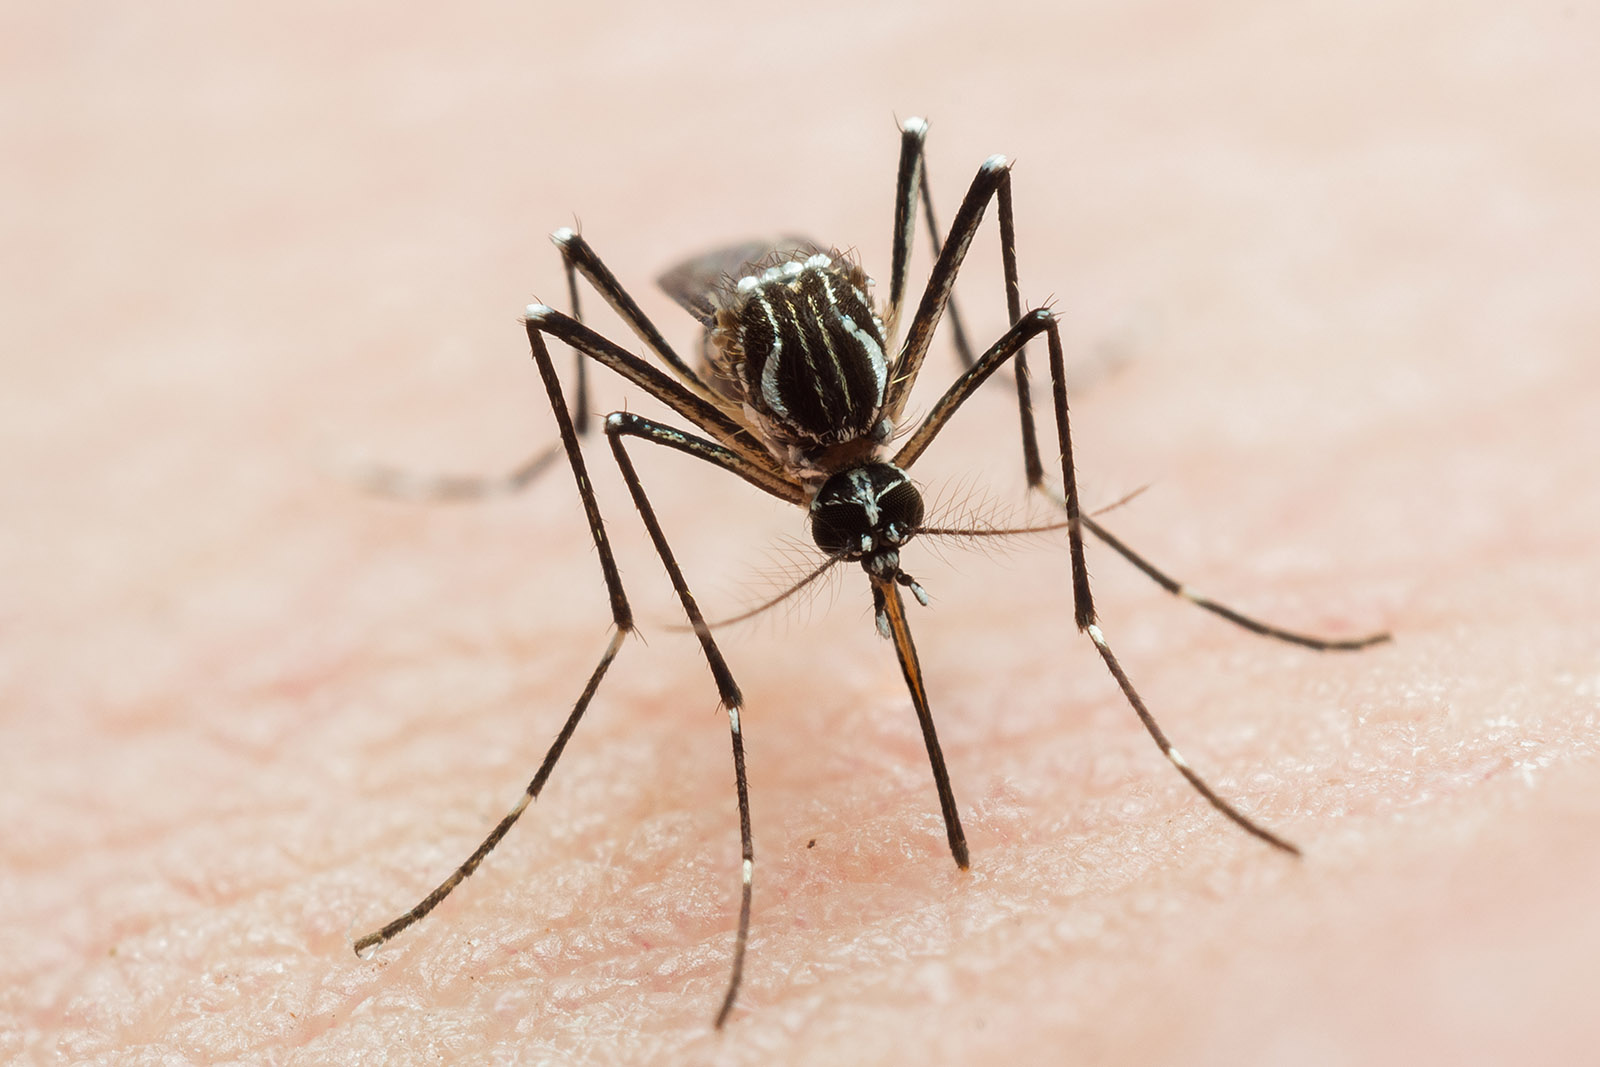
(900, 509)
(840, 528)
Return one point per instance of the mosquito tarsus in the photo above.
(800, 391)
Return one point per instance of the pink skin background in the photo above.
(1342, 263)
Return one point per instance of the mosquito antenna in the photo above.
(1020, 531)
(768, 605)
(990, 531)
(1121, 501)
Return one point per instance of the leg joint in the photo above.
(620, 423)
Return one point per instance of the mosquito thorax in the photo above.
(866, 513)
(803, 347)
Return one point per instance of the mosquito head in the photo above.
(866, 513)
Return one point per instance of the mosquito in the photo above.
(800, 390)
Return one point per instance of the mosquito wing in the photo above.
(695, 283)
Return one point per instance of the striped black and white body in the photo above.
(800, 394)
(797, 345)
(801, 348)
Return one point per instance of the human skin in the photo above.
(1345, 267)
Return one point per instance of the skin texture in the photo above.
(1344, 266)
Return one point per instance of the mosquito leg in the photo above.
(369, 942)
(577, 258)
(698, 410)
(911, 183)
(630, 425)
(1179, 589)
(967, 383)
(581, 258)
(618, 426)
(908, 179)
(1032, 466)
(1009, 346)
(457, 488)
(1008, 254)
(958, 331)
(454, 488)
(891, 607)
(992, 175)
(1087, 622)
(622, 619)
(580, 388)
